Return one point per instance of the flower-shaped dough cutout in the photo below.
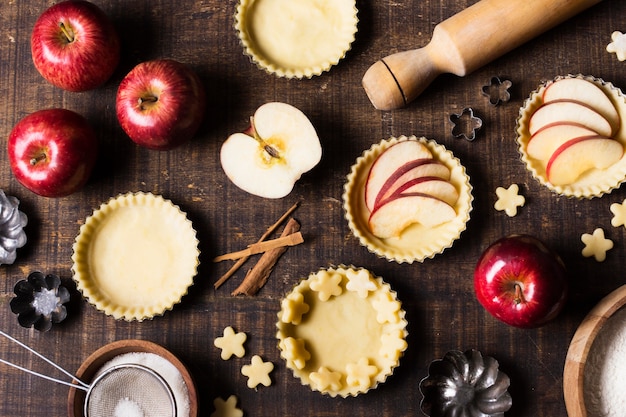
(497, 91)
(326, 284)
(361, 282)
(392, 345)
(231, 343)
(226, 408)
(293, 307)
(324, 378)
(359, 374)
(596, 245)
(618, 46)
(619, 214)
(258, 372)
(387, 308)
(465, 125)
(509, 200)
(293, 350)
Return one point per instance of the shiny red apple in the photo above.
(75, 46)
(52, 152)
(520, 281)
(160, 104)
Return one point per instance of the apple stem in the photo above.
(38, 158)
(519, 297)
(68, 32)
(149, 100)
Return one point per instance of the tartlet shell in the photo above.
(303, 375)
(416, 243)
(595, 183)
(174, 221)
(346, 10)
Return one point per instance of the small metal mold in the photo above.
(12, 223)
(465, 125)
(497, 91)
(465, 384)
(39, 301)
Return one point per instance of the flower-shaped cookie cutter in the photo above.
(465, 383)
(39, 301)
(465, 125)
(12, 223)
(497, 91)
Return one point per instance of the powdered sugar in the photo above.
(605, 370)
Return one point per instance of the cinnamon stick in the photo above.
(268, 232)
(260, 247)
(257, 277)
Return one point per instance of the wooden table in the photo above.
(437, 294)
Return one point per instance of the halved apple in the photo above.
(432, 186)
(426, 167)
(390, 219)
(579, 155)
(388, 162)
(270, 157)
(549, 138)
(586, 92)
(569, 111)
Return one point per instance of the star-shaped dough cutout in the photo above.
(596, 245)
(509, 200)
(387, 309)
(226, 408)
(360, 374)
(258, 372)
(392, 345)
(231, 343)
(618, 46)
(619, 214)
(326, 285)
(293, 351)
(293, 307)
(324, 378)
(360, 281)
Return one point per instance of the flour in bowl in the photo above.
(605, 370)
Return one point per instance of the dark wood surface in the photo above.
(437, 294)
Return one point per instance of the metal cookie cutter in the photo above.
(465, 125)
(497, 91)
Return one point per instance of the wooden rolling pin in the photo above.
(464, 43)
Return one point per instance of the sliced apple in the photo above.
(390, 219)
(586, 92)
(549, 138)
(569, 111)
(269, 158)
(432, 186)
(411, 170)
(579, 155)
(388, 162)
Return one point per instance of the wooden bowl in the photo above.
(89, 368)
(573, 373)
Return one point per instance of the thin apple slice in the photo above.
(564, 111)
(549, 138)
(586, 92)
(432, 186)
(411, 170)
(388, 162)
(391, 218)
(579, 155)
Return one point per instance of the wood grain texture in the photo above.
(438, 296)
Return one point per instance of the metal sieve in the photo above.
(128, 390)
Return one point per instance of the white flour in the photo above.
(128, 408)
(605, 370)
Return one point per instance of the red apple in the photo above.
(160, 104)
(75, 46)
(52, 152)
(520, 281)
